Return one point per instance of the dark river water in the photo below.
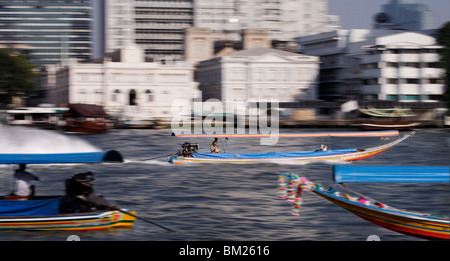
(214, 202)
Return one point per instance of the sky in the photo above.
(358, 14)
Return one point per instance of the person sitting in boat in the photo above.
(322, 148)
(22, 187)
(80, 196)
(215, 147)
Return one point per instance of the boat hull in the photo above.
(344, 156)
(389, 125)
(91, 127)
(76, 222)
(416, 225)
(336, 157)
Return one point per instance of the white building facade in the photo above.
(377, 65)
(125, 85)
(397, 67)
(259, 73)
(332, 49)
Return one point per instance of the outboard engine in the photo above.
(187, 149)
(80, 196)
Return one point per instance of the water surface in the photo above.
(236, 202)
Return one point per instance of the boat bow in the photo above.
(422, 225)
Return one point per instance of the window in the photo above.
(411, 51)
(272, 74)
(237, 74)
(429, 51)
(412, 81)
(392, 97)
(369, 66)
(434, 81)
(411, 97)
(392, 65)
(149, 95)
(434, 97)
(433, 65)
(132, 98)
(371, 81)
(392, 81)
(114, 96)
(412, 65)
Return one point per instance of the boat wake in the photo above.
(22, 140)
(158, 162)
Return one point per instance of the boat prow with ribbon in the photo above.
(412, 223)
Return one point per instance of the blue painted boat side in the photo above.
(387, 173)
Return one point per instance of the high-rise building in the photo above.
(159, 26)
(50, 31)
(405, 15)
(284, 19)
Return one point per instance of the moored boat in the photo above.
(86, 118)
(388, 119)
(388, 124)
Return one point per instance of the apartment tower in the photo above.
(50, 31)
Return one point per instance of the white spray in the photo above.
(14, 139)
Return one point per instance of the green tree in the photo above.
(444, 40)
(17, 76)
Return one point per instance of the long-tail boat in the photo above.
(190, 154)
(43, 212)
(412, 223)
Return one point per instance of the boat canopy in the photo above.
(384, 173)
(86, 110)
(295, 135)
(54, 158)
